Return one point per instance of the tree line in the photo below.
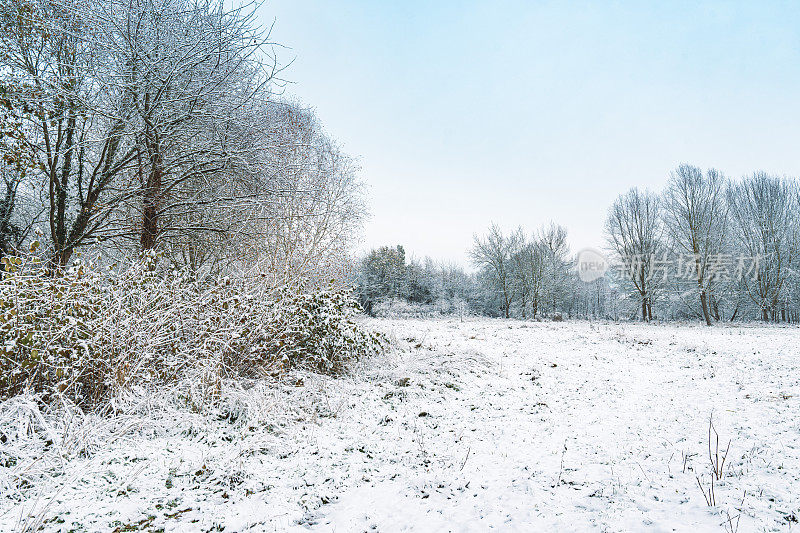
(711, 247)
(130, 126)
(705, 248)
(515, 276)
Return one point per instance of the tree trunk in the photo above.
(152, 192)
(735, 312)
(704, 305)
(58, 196)
(152, 187)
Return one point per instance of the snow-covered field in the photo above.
(465, 426)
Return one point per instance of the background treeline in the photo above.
(519, 276)
(730, 246)
(706, 248)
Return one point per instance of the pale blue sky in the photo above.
(463, 113)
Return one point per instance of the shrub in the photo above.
(315, 329)
(87, 333)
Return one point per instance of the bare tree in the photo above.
(305, 204)
(138, 114)
(552, 241)
(536, 266)
(695, 213)
(634, 233)
(764, 213)
(188, 68)
(493, 254)
(522, 276)
(74, 127)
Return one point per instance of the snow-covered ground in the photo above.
(465, 426)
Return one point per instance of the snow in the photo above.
(474, 425)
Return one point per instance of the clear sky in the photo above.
(466, 112)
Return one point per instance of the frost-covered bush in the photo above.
(88, 333)
(284, 328)
(46, 330)
(315, 329)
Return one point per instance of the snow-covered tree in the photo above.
(634, 234)
(695, 214)
(765, 217)
(493, 254)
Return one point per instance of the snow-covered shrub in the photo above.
(46, 330)
(284, 328)
(315, 329)
(87, 333)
